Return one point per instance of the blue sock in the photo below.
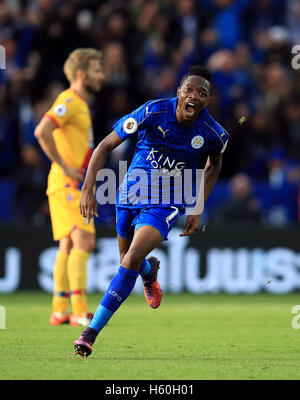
(119, 289)
(145, 268)
(101, 317)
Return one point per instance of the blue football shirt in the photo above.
(167, 154)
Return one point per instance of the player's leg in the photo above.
(124, 245)
(83, 245)
(61, 290)
(125, 232)
(163, 219)
(144, 241)
(148, 271)
(61, 232)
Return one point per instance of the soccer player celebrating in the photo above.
(173, 135)
(66, 136)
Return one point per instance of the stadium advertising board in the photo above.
(231, 261)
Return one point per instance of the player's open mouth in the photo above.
(190, 109)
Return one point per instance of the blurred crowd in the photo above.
(147, 47)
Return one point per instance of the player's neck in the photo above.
(181, 121)
(78, 88)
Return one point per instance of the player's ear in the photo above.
(178, 91)
(208, 100)
(80, 74)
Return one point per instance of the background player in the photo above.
(66, 136)
(173, 134)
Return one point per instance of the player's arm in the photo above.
(44, 134)
(88, 204)
(211, 173)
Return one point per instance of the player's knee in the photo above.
(133, 258)
(122, 255)
(90, 244)
(65, 245)
(84, 240)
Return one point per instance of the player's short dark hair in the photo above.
(199, 70)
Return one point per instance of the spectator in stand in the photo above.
(231, 80)
(226, 20)
(280, 200)
(293, 20)
(147, 46)
(31, 203)
(241, 207)
(292, 123)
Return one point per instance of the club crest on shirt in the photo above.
(130, 125)
(197, 142)
(60, 110)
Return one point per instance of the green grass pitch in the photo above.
(188, 337)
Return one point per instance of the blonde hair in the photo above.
(80, 59)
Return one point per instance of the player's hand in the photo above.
(88, 205)
(191, 225)
(74, 173)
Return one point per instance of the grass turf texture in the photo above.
(188, 337)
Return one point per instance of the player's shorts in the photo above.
(161, 218)
(65, 214)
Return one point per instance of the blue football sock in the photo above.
(145, 268)
(119, 289)
(100, 319)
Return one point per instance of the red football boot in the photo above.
(152, 290)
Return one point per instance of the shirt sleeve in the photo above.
(130, 123)
(220, 143)
(61, 111)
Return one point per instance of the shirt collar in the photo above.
(172, 113)
(172, 110)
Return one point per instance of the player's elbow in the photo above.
(41, 133)
(38, 133)
(44, 129)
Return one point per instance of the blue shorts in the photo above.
(161, 218)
